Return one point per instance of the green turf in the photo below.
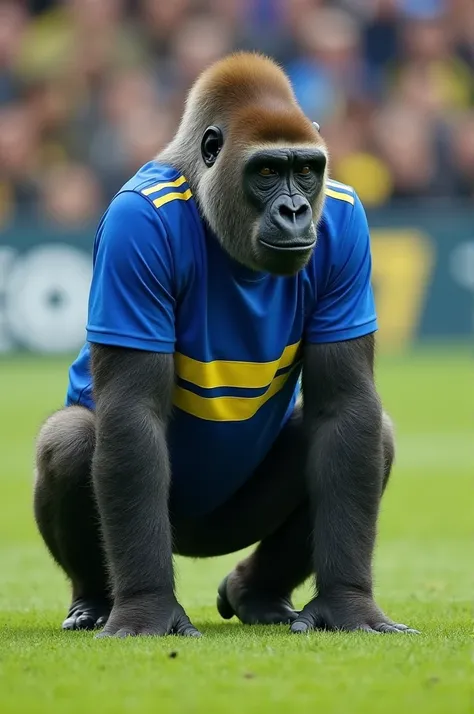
(423, 575)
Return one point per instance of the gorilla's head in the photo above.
(256, 165)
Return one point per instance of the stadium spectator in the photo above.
(70, 195)
(90, 89)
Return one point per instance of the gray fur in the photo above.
(218, 191)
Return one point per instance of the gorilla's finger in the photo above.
(104, 634)
(386, 627)
(394, 627)
(299, 626)
(224, 607)
(185, 628)
(69, 623)
(125, 633)
(309, 619)
(368, 628)
(85, 622)
(404, 628)
(306, 621)
(191, 631)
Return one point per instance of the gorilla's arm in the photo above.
(131, 476)
(343, 420)
(343, 417)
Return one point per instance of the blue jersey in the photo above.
(162, 282)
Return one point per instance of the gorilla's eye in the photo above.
(305, 171)
(267, 171)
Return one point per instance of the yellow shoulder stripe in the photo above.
(340, 196)
(226, 408)
(166, 184)
(221, 373)
(173, 196)
(185, 196)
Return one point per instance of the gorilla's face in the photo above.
(263, 203)
(283, 185)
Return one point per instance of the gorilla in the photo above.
(225, 395)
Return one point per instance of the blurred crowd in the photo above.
(91, 89)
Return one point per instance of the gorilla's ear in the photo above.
(211, 144)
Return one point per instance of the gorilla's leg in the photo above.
(66, 514)
(259, 590)
(272, 507)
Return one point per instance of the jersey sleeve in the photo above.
(131, 301)
(345, 307)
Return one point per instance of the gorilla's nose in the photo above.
(292, 214)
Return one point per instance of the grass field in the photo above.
(423, 572)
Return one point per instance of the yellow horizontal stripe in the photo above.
(220, 373)
(340, 196)
(226, 408)
(167, 184)
(172, 197)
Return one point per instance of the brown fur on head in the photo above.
(250, 99)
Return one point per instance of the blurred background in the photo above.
(92, 89)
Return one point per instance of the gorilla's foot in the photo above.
(253, 606)
(87, 613)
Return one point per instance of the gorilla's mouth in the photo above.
(292, 247)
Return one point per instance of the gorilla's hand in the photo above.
(148, 615)
(345, 611)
